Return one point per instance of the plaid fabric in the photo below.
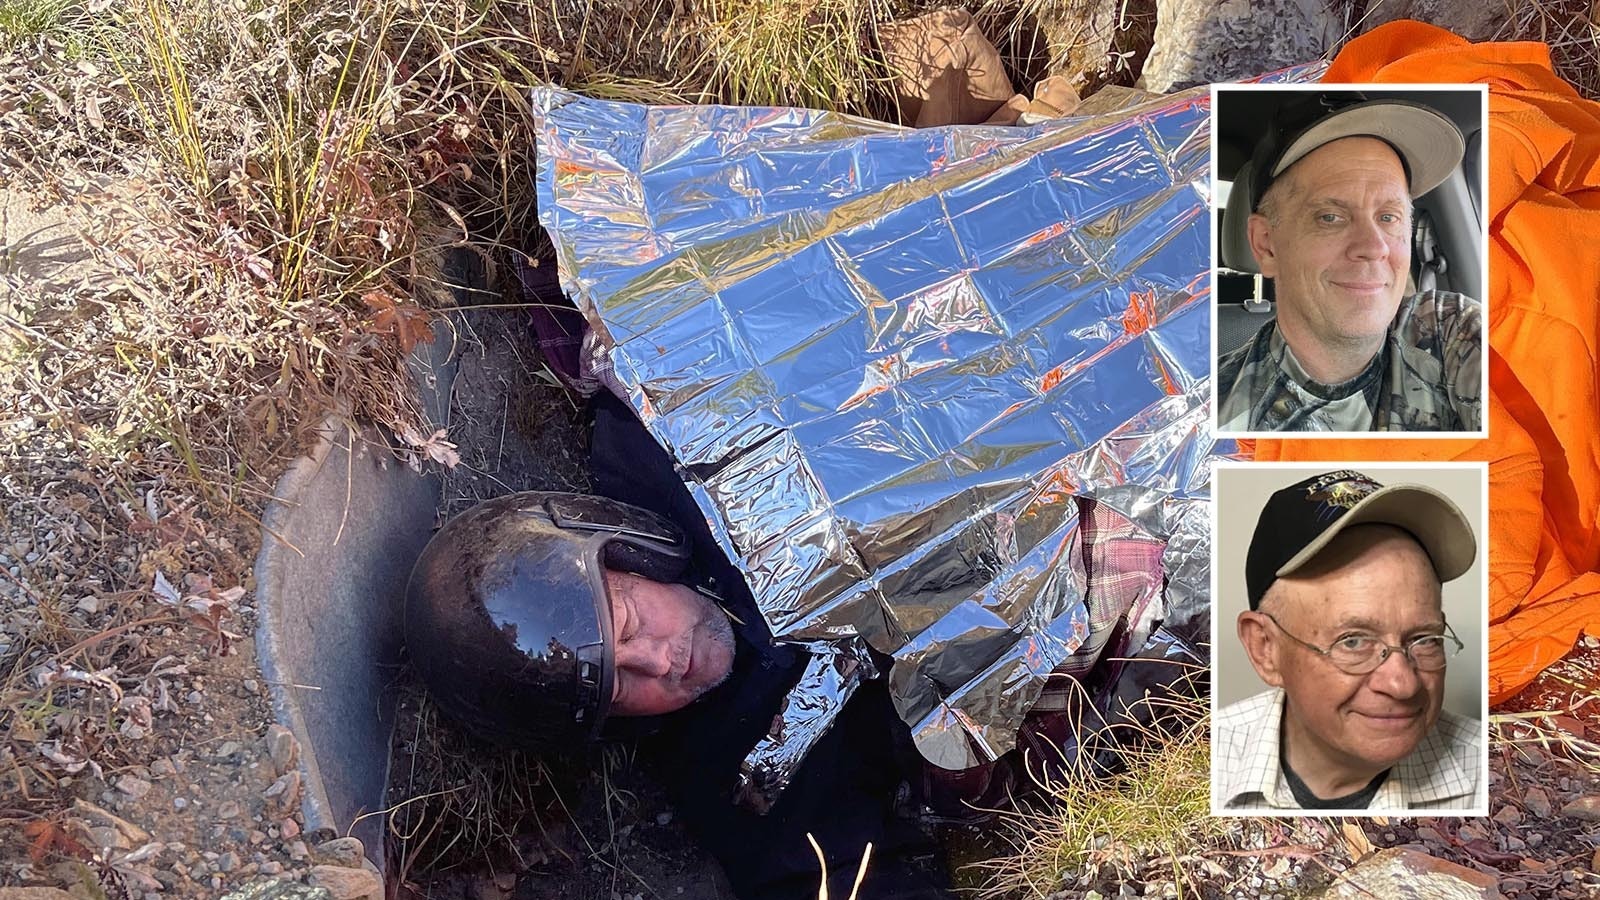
(1124, 575)
(1445, 772)
(567, 344)
(1427, 378)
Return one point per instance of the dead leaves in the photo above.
(409, 323)
(48, 841)
(205, 607)
(433, 447)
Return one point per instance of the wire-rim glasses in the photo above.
(1359, 654)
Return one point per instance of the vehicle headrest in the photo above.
(1234, 233)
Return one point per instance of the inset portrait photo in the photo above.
(1349, 639)
(1349, 250)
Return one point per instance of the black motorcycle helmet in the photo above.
(507, 618)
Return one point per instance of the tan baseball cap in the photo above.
(1299, 521)
(1429, 145)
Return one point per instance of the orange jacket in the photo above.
(1543, 310)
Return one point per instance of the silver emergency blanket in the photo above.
(891, 362)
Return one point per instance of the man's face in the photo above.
(1382, 585)
(672, 644)
(1337, 244)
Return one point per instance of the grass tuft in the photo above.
(1157, 806)
(817, 54)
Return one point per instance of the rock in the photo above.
(33, 893)
(134, 787)
(298, 851)
(1408, 874)
(228, 810)
(289, 828)
(1585, 808)
(345, 883)
(271, 867)
(227, 862)
(128, 834)
(1508, 815)
(345, 851)
(1472, 19)
(279, 889)
(1538, 802)
(1200, 41)
(282, 748)
(163, 767)
(284, 793)
(227, 749)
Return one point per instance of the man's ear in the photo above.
(1262, 645)
(1260, 232)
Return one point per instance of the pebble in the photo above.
(298, 851)
(282, 748)
(664, 818)
(1585, 808)
(227, 862)
(179, 802)
(271, 867)
(133, 787)
(347, 884)
(251, 686)
(345, 851)
(1508, 815)
(163, 767)
(289, 828)
(228, 748)
(228, 810)
(1538, 802)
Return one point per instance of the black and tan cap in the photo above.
(1429, 145)
(1299, 521)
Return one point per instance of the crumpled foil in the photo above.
(833, 672)
(890, 363)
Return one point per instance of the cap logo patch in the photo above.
(1337, 492)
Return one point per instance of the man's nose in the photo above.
(646, 657)
(1396, 677)
(1368, 240)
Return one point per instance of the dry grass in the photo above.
(817, 54)
(259, 191)
(459, 802)
(1570, 30)
(1156, 807)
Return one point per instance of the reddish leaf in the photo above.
(408, 322)
(46, 838)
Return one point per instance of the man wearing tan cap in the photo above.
(1330, 224)
(1345, 622)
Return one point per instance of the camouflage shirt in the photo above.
(1427, 377)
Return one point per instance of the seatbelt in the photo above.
(1427, 263)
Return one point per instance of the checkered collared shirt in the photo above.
(1445, 772)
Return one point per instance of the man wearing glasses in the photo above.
(1346, 623)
